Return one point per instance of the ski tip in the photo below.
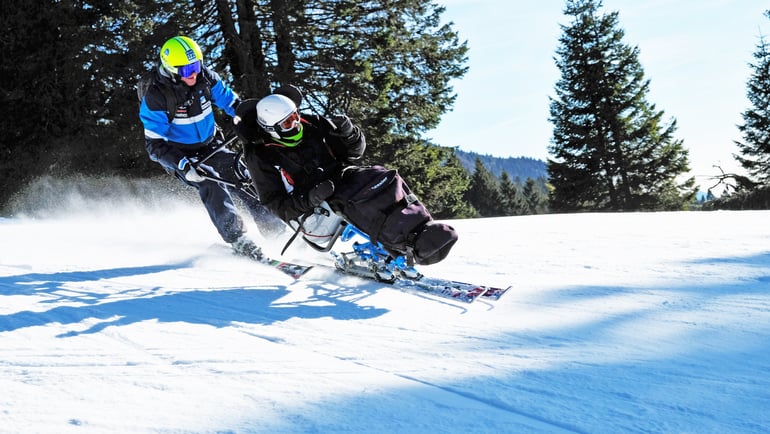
(302, 272)
(496, 293)
(294, 270)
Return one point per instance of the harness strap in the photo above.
(299, 229)
(411, 241)
(291, 240)
(170, 96)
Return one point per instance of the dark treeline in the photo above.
(70, 103)
(70, 106)
(518, 167)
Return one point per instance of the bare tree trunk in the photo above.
(247, 61)
(285, 72)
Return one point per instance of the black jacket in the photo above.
(284, 175)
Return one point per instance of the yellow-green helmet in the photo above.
(179, 51)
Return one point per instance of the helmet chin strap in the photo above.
(166, 73)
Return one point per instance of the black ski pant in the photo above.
(217, 198)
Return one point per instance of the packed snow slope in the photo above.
(124, 319)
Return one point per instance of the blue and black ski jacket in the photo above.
(192, 126)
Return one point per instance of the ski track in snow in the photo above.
(122, 321)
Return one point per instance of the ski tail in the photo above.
(294, 270)
(289, 268)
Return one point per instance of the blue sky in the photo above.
(694, 52)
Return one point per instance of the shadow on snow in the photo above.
(590, 376)
(218, 307)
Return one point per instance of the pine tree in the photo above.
(438, 178)
(611, 149)
(484, 192)
(48, 90)
(512, 201)
(536, 200)
(386, 64)
(755, 148)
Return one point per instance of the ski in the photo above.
(394, 274)
(493, 293)
(289, 268)
(466, 292)
(407, 278)
(294, 270)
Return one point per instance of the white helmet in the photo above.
(278, 115)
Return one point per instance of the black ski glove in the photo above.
(320, 192)
(345, 129)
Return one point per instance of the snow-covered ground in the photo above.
(123, 319)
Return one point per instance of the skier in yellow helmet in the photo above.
(179, 129)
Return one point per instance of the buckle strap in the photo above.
(411, 241)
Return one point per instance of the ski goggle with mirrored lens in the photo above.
(185, 71)
(287, 124)
(290, 122)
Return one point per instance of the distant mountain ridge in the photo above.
(516, 167)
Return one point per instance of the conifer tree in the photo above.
(438, 177)
(512, 201)
(611, 148)
(484, 192)
(536, 201)
(386, 63)
(755, 149)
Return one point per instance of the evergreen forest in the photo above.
(70, 103)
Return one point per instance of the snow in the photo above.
(123, 318)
